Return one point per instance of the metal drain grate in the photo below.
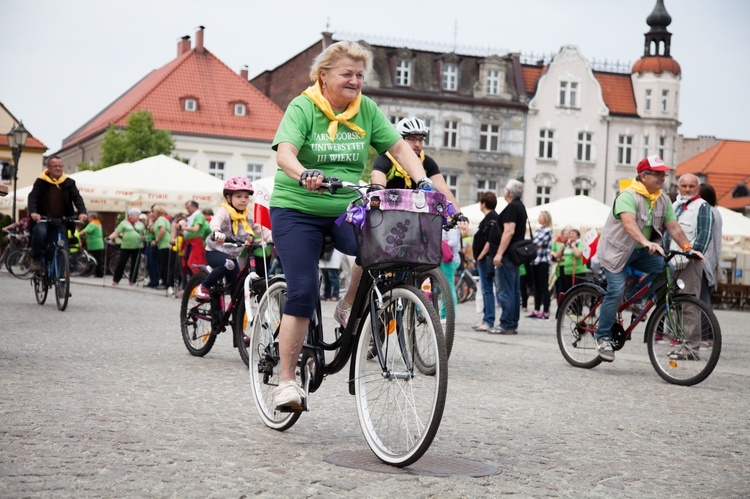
(427, 465)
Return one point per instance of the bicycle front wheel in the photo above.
(265, 366)
(684, 340)
(62, 279)
(18, 263)
(440, 296)
(40, 287)
(195, 319)
(400, 405)
(577, 321)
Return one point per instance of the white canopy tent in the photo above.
(735, 232)
(155, 180)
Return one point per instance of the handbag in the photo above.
(446, 252)
(523, 251)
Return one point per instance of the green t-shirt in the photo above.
(94, 237)
(200, 219)
(131, 235)
(306, 127)
(627, 204)
(568, 261)
(164, 242)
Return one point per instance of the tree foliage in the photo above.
(138, 141)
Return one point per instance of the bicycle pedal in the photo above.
(293, 408)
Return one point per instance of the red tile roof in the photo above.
(657, 64)
(201, 76)
(617, 88)
(725, 165)
(31, 143)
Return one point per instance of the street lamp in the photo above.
(16, 141)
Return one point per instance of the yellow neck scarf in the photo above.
(45, 176)
(314, 94)
(638, 187)
(237, 217)
(398, 170)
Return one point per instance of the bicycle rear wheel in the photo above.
(399, 405)
(440, 295)
(195, 319)
(684, 340)
(61, 271)
(265, 365)
(466, 288)
(577, 321)
(18, 263)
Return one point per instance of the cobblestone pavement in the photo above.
(104, 400)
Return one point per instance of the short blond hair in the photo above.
(547, 218)
(334, 54)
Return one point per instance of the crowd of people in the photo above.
(333, 109)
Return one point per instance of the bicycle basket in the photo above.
(401, 230)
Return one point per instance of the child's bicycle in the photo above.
(201, 321)
(683, 335)
(398, 370)
(55, 270)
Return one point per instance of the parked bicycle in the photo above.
(399, 388)
(55, 264)
(466, 285)
(683, 335)
(17, 255)
(113, 259)
(202, 321)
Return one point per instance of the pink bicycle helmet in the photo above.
(235, 184)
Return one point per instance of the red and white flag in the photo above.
(590, 243)
(261, 206)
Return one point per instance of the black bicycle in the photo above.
(17, 256)
(398, 371)
(202, 321)
(55, 264)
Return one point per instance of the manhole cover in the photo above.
(427, 465)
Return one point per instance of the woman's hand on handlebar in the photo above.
(312, 180)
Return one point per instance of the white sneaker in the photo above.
(606, 351)
(170, 291)
(288, 395)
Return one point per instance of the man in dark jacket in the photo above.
(54, 195)
(487, 204)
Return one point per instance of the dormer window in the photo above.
(240, 109)
(450, 76)
(403, 72)
(191, 105)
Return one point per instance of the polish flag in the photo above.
(590, 243)
(261, 206)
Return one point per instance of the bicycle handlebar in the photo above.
(45, 218)
(669, 254)
(230, 240)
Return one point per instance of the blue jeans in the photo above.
(488, 295)
(508, 282)
(332, 283)
(42, 234)
(639, 260)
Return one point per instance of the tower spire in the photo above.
(658, 39)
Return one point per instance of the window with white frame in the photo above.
(493, 82)
(664, 100)
(648, 99)
(543, 194)
(568, 94)
(216, 168)
(645, 145)
(254, 171)
(489, 137)
(403, 72)
(191, 105)
(583, 152)
(450, 77)
(450, 134)
(240, 109)
(625, 149)
(486, 185)
(546, 143)
(582, 187)
(452, 183)
(662, 147)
